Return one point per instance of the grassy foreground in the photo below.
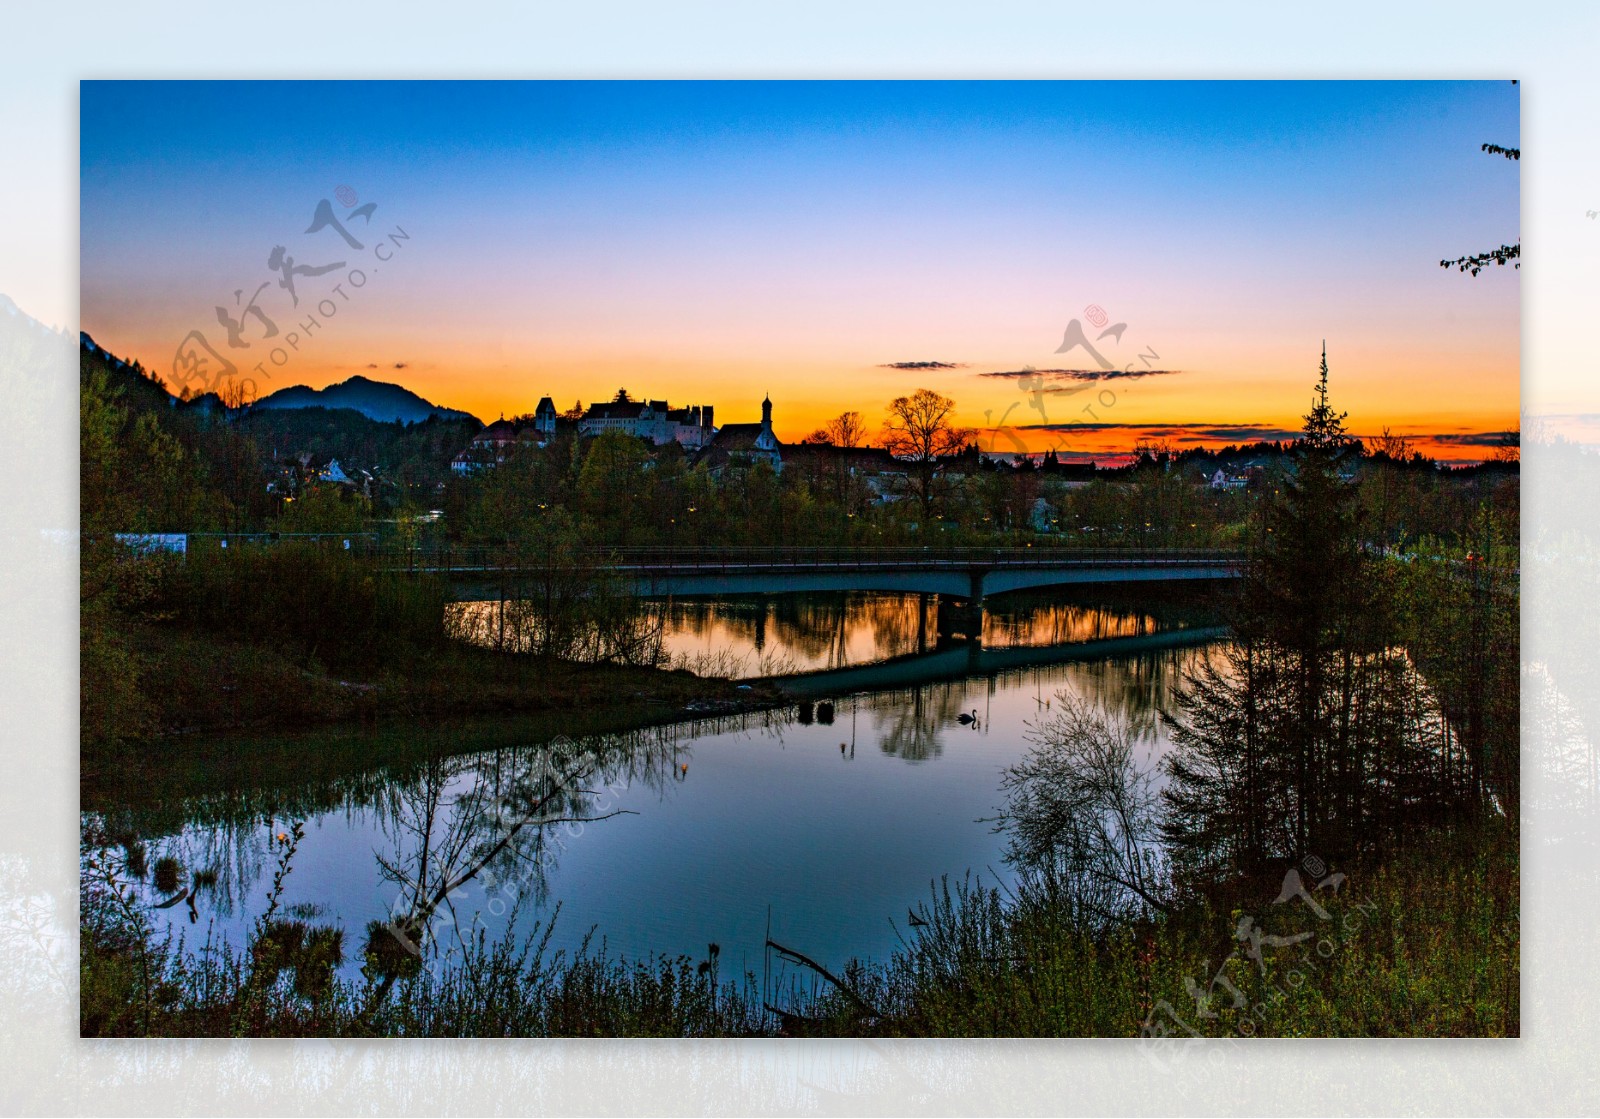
(1424, 946)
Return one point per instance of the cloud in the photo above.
(1470, 438)
(1179, 432)
(1243, 433)
(401, 364)
(924, 365)
(1080, 375)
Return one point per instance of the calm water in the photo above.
(833, 829)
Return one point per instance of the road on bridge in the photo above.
(965, 573)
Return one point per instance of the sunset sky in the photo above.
(834, 244)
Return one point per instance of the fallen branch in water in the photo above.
(800, 958)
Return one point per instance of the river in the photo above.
(824, 822)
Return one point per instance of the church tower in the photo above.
(765, 439)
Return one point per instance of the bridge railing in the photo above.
(459, 557)
(834, 556)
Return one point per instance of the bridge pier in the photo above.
(960, 620)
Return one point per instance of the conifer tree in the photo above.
(1315, 736)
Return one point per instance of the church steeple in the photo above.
(766, 411)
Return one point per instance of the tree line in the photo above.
(1366, 700)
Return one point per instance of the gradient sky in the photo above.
(713, 242)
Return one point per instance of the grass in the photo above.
(198, 681)
(1424, 945)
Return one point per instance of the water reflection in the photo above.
(911, 725)
(786, 634)
(485, 828)
(835, 814)
(489, 829)
(778, 635)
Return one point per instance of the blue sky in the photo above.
(721, 240)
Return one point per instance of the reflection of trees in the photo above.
(491, 820)
(816, 627)
(216, 865)
(214, 823)
(1134, 689)
(1035, 618)
(837, 630)
(807, 630)
(910, 722)
(587, 621)
(1060, 624)
(1137, 689)
(901, 624)
(235, 854)
(1083, 818)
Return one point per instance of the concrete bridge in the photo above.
(964, 574)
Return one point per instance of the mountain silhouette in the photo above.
(377, 400)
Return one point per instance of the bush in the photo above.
(338, 607)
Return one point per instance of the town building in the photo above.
(544, 417)
(745, 444)
(691, 428)
(488, 448)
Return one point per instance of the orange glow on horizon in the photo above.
(999, 414)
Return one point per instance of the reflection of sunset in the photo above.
(840, 244)
(785, 634)
(800, 633)
(1059, 624)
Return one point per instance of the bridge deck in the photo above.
(968, 573)
(478, 558)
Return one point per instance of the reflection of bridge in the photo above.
(961, 661)
(967, 574)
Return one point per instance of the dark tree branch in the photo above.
(800, 958)
(1479, 261)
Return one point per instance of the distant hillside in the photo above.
(21, 335)
(231, 454)
(377, 400)
(137, 387)
(417, 452)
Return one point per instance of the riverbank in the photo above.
(193, 684)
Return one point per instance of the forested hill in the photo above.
(153, 462)
(377, 400)
(414, 453)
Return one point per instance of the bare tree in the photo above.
(1396, 447)
(920, 431)
(847, 429)
(1509, 449)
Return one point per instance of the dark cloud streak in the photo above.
(1471, 438)
(1231, 433)
(1081, 374)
